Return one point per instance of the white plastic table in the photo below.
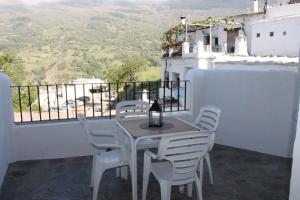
(137, 129)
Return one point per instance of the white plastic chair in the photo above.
(176, 162)
(106, 160)
(208, 119)
(135, 109)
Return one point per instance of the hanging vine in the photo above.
(170, 38)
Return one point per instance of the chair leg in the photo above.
(124, 174)
(165, 189)
(199, 181)
(146, 174)
(92, 173)
(199, 188)
(190, 189)
(181, 189)
(207, 159)
(99, 169)
(118, 172)
(201, 171)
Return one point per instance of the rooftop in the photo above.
(223, 58)
(238, 174)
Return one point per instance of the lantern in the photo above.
(155, 115)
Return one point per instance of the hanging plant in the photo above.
(169, 39)
(215, 21)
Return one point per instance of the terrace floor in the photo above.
(238, 175)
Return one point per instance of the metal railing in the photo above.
(37, 103)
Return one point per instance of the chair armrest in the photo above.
(106, 146)
(151, 154)
(99, 133)
(148, 156)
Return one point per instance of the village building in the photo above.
(264, 39)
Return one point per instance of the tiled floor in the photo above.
(238, 175)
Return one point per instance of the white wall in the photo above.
(55, 140)
(285, 10)
(295, 175)
(258, 107)
(279, 44)
(61, 139)
(5, 125)
(295, 178)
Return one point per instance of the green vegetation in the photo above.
(12, 67)
(126, 72)
(57, 43)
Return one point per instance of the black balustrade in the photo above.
(38, 103)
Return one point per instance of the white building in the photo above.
(267, 40)
(278, 33)
(77, 89)
(272, 31)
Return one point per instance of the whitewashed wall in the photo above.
(5, 125)
(295, 177)
(258, 107)
(55, 140)
(61, 139)
(279, 44)
(285, 10)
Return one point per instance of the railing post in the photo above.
(67, 102)
(93, 106)
(29, 102)
(48, 102)
(133, 90)
(101, 99)
(39, 101)
(149, 88)
(20, 103)
(57, 101)
(109, 100)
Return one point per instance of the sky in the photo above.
(26, 2)
(36, 2)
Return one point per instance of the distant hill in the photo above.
(63, 41)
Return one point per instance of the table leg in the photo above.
(134, 170)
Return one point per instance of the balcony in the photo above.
(252, 158)
(239, 174)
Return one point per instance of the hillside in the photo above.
(63, 41)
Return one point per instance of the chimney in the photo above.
(255, 6)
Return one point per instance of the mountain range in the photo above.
(63, 40)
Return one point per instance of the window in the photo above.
(216, 41)
(284, 33)
(271, 34)
(258, 35)
(206, 40)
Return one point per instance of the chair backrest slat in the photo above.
(208, 118)
(126, 109)
(184, 152)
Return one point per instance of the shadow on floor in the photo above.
(238, 175)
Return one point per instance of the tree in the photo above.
(10, 65)
(126, 72)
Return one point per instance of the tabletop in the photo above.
(139, 127)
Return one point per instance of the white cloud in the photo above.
(36, 2)
(26, 2)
